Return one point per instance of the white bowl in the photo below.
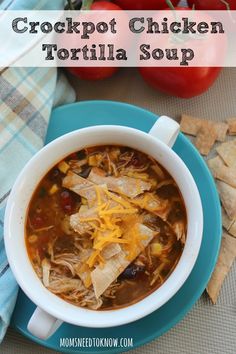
(51, 307)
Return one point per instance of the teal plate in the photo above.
(79, 115)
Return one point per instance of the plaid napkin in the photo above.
(27, 96)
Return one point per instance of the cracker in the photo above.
(222, 172)
(190, 125)
(206, 138)
(232, 126)
(228, 198)
(227, 152)
(226, 258)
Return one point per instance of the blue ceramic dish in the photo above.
(79, 115)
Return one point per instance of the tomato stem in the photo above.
(169, 3)
(226, 4)
(86, 4)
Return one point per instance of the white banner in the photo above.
(117, 38)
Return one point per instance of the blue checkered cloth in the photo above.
(27, 96)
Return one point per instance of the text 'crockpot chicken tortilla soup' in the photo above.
(105, 227)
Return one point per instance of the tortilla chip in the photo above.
(232, 126)
(224, 263)
(227, 152)
(219, 127)
(227, 223)
(110, 250)
(221, 130)
(128, 186)
(190, 125)
(222, 172)
(228, 198)
(228, 175)
(206, 138)
(103, 277)
(232, 229)
(214, 164)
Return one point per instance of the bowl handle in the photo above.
(165, 129)
(43, 325)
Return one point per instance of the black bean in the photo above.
(135, 161)
(85, 171)
(132, 271)
(55, 175)
(179, 211)
(42, 192)
(81, 154)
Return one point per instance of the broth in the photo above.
(105, 227)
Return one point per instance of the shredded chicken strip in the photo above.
(179, 229)
(46, 266)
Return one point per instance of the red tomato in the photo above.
(185, 82)
(96, 73)
(144, 4)
(104, 5)
(93, 73)
(211, 4)
(180, 82)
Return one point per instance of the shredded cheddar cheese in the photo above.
(92, 259)
(134, 238)
(88, 281)
(109, 227)
(138, 175)
(118, 211)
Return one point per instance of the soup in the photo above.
(105, 227)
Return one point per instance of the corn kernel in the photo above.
(92, 160)
(32, 238)
(84, 201)
(156, 249)
(63, 167)
(53, 189)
